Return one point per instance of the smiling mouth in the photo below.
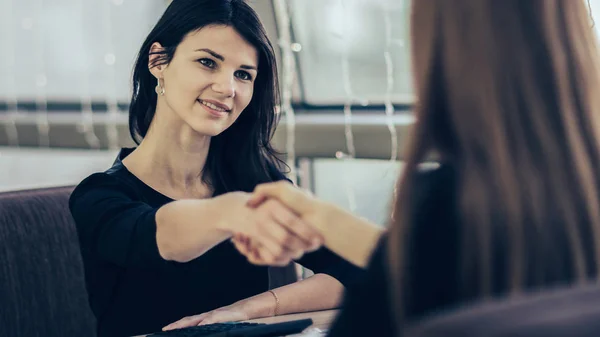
(213, 106)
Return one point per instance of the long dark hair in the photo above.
(241, 156)
(507, 93)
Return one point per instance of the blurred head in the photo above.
(217, 68)
(507, 95)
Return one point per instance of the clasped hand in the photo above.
(282, 223)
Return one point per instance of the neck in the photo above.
(172, 154)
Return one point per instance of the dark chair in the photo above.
(42, 288)
(572, 312)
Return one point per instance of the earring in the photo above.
(159, 88)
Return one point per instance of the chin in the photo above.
(209, 129)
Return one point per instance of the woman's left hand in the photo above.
(232, 313)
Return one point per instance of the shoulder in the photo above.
(102, 185)
(116, 177)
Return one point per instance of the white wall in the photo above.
(34, 168)
(67, 49)
(360, 185)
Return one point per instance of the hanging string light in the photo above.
(287, 77)
(86, 125)
(9, 50)
(389, 106)
(41, 80)
(348, 133)
(346, 80)
(112, 132)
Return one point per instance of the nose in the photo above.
(224, 84)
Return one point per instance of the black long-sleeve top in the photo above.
(132, 289)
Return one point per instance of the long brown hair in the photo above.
(507, 93)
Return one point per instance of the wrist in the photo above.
(331, 217)
(259, 306)
(275, 310)
(226, 205)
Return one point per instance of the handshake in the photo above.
(278, 223)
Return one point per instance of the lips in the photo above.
(214, 105)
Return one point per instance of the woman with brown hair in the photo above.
(507, 99)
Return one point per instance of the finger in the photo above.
(263, 256)
(255, 200)
(279, 241)
(309, 236)
(266, 257)
(207, 320)
(254, 257)
(241, 247)
(240, 239)
(292, 197)
(185, 322)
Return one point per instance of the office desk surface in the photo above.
(321, 320)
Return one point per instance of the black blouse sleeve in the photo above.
(111, 225)
(431, 266)
(326, 262)
(365, 309)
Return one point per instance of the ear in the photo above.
(153, 57)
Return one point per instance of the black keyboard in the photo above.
(239, 330)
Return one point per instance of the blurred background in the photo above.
(65, 71)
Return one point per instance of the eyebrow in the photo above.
(220, 57)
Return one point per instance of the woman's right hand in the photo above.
(316, 212)
(282, 234)
(349, 236)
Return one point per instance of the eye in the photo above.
(207, 63)
(243, 75)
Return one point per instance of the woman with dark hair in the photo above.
(507, 98)
(154, 228)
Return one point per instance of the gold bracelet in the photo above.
(276, 302)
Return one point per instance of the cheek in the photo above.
(244, 96)
(188, 82)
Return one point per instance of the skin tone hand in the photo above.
(230, 313)
(281, 234)
(254, 250)
(349, 236)
(313, 212)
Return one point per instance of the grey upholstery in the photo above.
(42, 289)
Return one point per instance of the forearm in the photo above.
(186, 229)
(319, 292)
(351, 237)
